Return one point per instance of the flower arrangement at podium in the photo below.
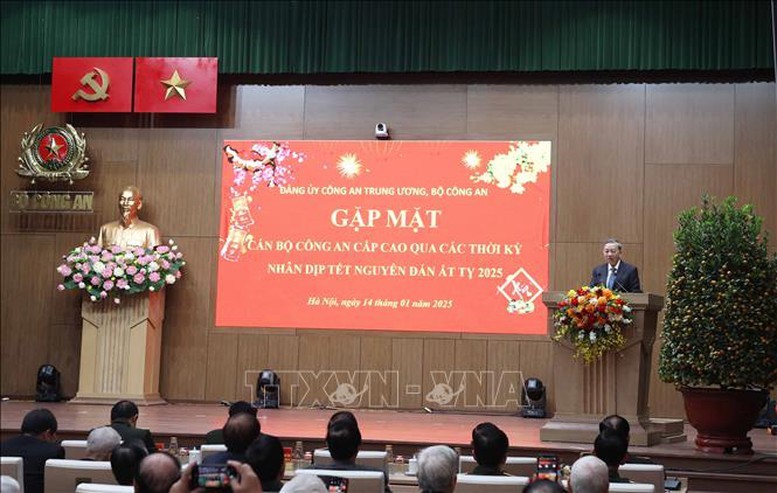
(110, 272)
(591, 319)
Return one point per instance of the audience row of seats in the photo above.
(66, 476)
(63, 475)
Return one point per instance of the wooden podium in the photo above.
(121, 348)
(616, 384)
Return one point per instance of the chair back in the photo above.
(74, 449)
(103, 488)
(358, 481)
(632, 488)
(515, 466)
(645, 473)
(376, 459)
(64, 475)
(208, 450)
(14, 467)
(470, 483)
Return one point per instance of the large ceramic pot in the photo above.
(722, 418)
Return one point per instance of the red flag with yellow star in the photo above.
(176, 85)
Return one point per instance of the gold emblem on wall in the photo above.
(99, 90)
(53, 154)
(176, 86)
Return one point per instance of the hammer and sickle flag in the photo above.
(176, 85)
(93, 84)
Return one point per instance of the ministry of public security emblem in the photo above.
(53, 154)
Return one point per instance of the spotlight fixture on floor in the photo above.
(47, 386)
(533, 399)
(268, 390)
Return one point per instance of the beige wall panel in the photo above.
(267, 112)
(600, 151)
(512, 112)
(689, 123)
(177, 172)
(110, 144)
(283, 355)
(575, 261)
(251, 360)
(755, 158)
(188, 315)
(344, 360)
(407, 360)
(64, 348)
(438, 362)
(504, 360)
(221, 367)
(470, 359)
(344, 351)
(314, 352)
(669, 190)
(537, 361)
(411, 112)
(375, 363)
(25, 306)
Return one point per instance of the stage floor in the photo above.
(406, 431)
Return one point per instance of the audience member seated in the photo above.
(610, 446)
(125, 460)
(35, 445)
(157, 473)
(621, 425)
(437, 469)
(343, 439)
(589, 475)
(124, 419)
(101, 442)
(304, 483)
(217, 436)
(265, 456)
(239, 431)
(489, 446)
(544, 486)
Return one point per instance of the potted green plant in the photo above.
(720, 327)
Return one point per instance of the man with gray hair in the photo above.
(437, 469)
(101, 442)
(614, 273)
(589, 475)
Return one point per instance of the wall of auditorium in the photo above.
(627, 159)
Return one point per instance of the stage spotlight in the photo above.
(534, 399)
(48, 384)
(268, 390)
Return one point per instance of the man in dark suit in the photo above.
(239, 431)
(35, 445)
(343, 439)
(615, 273)
(217, 436)
(124, 419)
(611, 447)
(489, 446)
